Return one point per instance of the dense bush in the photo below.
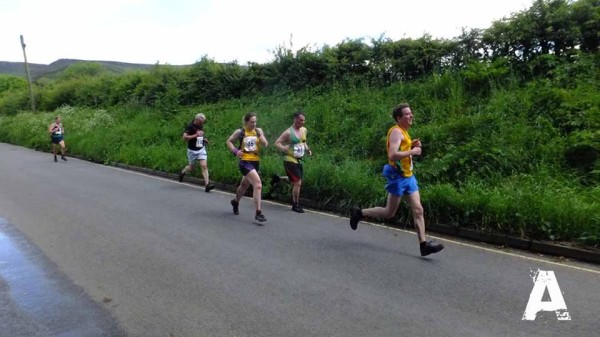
(502, 165)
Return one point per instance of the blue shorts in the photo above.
(397, 184)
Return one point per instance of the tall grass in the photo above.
(495, 163)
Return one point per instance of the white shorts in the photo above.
(196, 155)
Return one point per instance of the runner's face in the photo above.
(251, 123)
(299, 122)
(407, 116)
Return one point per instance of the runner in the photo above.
(57, 132)
(400, 179)
(196, 149)
(293, 143)
(249, 138)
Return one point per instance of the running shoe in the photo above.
(260, 217)
(297, 208)
(355, 217)
(235, 205)
(430, 247)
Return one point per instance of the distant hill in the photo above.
(18, 68)
(53, 69)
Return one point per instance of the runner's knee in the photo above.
(418, 211)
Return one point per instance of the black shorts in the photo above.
(56, 139)
(247, 166)
(294, 171)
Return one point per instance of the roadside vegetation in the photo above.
(509, 117)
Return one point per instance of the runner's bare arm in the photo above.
(261, 137)
(282, 142)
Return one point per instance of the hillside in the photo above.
(18, 68)
(51, 70)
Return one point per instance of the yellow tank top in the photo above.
(250, 146)
(404, 165)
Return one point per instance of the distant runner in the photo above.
(400, 179)
(293, 143)
(57, 132)
(249, 138)
(196, 149)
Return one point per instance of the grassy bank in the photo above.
(498, 164)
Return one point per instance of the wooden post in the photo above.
(28, 75)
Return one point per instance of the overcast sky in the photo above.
(182, 31)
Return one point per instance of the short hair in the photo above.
(201, 115)
(248, 116)
(398, 110)
(298, 114)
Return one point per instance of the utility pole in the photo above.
(28, 75)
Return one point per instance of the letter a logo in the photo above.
(542, 280)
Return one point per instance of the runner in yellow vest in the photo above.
(292, 143)
(250, 138)
(400, 179)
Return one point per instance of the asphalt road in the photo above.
(111, 252)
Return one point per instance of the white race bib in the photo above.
(250, 144)
(298, 150)
(200, 142)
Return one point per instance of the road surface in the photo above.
(90, 250)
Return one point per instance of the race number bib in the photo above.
(200, 142)
(298, 150)
(250, 144)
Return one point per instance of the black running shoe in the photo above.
(296, 208)
(260, 217)
(55, 159)
(63, 158)
(181, 175)
(208, 188)
(235, 205)
(430, 247)
(275, 180)
(355, 217)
